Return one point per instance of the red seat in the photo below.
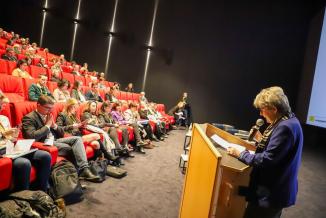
(36, 71)
(3, 66)
(27, 83)
(42, 53)
(87, 81)
(12, 87)
(3, 46)
(36, 61)
(70, 77)
(2, 51)
(135, 96)
(52, 86)
(21, 56)
(129, 96)
(5, 173)
(66, 69)
(11, 66)
(80, 78)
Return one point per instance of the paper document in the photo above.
(225, 144)
(21, 146)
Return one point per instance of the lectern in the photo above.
(213, 177)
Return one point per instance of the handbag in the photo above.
(99, 167)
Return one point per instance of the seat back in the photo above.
(20, 109)
(3, 66)
(36, 71)
(27, 83)
(12, 87)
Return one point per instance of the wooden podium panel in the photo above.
(200, 178)
(213, 177)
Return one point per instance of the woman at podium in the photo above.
(273, 182)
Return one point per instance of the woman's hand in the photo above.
(233, 152)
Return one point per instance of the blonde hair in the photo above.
(70, 102)
(273, 97)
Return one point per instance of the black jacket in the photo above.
(34, 128)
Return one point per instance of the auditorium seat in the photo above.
(66, 69)
(20, 56)
(3, 66)
(68, 76)
(6, 173)
(79, 78)
(41, 53)
(27, 83)
(11, 66)
(135, 96)
(36, 61)
(35, 71)
(2, 51)
(52, 86)
(88, 81)
(12, 87)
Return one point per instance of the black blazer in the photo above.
(34, 128)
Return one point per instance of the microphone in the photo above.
(255, 128)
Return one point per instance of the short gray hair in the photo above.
(273, 96)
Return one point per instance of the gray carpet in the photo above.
(152, 188)
(154, 184)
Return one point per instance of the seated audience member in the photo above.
(20, 71)
(21, 169)
(75, 70)
(36, 90)
(39, 125)
(104, 116)
(116, 86)
(93, 94)
(84, 69)
(145, 113)
(132, 116)
(28, 61)
(110, 95)
(56, 68)
(9, 55)
(61, 94)
(142, 98)
(42, 63)
(118, 117)
(177, 112)
(68, 120)
(76, 92)
(130, 88)
(90, 116)
(17, 49)
(55, 76)
(62, 59)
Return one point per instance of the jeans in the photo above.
(75, 145)
(41, 160)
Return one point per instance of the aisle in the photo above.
(152, 188)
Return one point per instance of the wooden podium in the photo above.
(213, 177)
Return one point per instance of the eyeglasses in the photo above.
(47, 108)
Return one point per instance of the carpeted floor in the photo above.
(154, 184)
(152, 188)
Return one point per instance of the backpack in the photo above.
(65, 183)
(36, 204)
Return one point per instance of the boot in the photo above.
(89, 176)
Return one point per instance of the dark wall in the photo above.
(221, 52)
